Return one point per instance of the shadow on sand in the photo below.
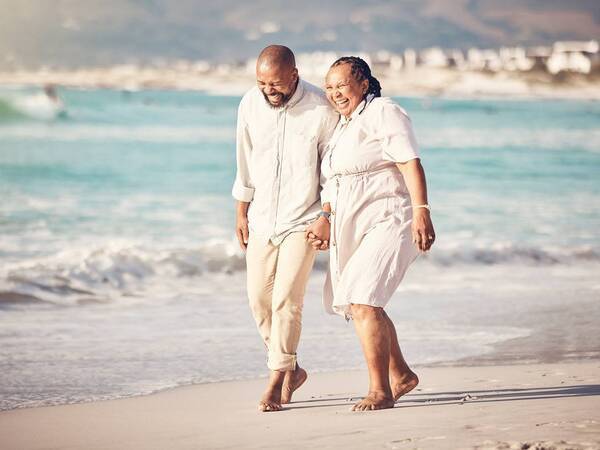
(413, 400)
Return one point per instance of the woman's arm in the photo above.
(422, 227)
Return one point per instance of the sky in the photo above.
(75, 33)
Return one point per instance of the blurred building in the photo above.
(573, 56)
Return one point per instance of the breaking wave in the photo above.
(106, 273)
(31, 107)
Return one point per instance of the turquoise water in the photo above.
(120, 274)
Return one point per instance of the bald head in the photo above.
(278, 56)
(276, 75)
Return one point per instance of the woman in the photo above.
(380, 220)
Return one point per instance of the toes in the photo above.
(371, 405)
(275, 407)
(359, 407)
(267, 407)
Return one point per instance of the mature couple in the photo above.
(337, 170)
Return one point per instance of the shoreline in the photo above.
(544, 343)
(453, 407)
(422, 82)
(463, 363)
(398, 94)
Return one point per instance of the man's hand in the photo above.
(241, 224)
(317, 234)
(241, 230)
(422, 229)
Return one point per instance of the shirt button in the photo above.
(333, 244)
(333, 213)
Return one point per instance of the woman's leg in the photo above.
(402, 378)
(374, 334)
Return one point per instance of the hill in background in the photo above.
(70, 33)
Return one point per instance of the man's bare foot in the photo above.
(271, 399)
(292, 381)
(374, 400)
(402, 386)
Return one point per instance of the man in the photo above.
(283, 126)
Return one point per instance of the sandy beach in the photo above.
(543, 406)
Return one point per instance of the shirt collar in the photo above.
(358, 111)
(297, 96)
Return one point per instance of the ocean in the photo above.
(120, 273)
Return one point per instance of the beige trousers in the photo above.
(277, 277)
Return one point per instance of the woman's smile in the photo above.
(344, 92)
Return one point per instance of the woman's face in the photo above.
(343, 91)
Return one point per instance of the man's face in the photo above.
(276, 83)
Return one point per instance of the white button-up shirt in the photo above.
(279, 153)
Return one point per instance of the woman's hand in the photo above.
(422, 229)
(317, 234)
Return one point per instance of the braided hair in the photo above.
(361, 71)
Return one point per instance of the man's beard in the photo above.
(284, 99)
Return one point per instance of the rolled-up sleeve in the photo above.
(396, 134)
(327, 128)
(243, 188)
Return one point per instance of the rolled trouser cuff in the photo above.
(281, 361)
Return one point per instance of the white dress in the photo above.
(371, 240)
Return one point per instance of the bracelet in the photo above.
(426, 206)
(324, 214)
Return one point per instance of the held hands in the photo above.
(422, 229)
(317, 234)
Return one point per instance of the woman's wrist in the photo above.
(423, 206)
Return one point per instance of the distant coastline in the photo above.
(564, 70)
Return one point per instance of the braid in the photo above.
(361, 71)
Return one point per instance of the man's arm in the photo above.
(328, 125)
(243, 187)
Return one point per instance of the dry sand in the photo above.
(542, 406)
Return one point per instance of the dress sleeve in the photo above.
(396, 134)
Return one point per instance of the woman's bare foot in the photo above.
(403, 385)
(292, 381)
(374, 400)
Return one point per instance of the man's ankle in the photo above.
(277, 377)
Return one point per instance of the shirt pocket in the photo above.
(263, 157)
(303, 146)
